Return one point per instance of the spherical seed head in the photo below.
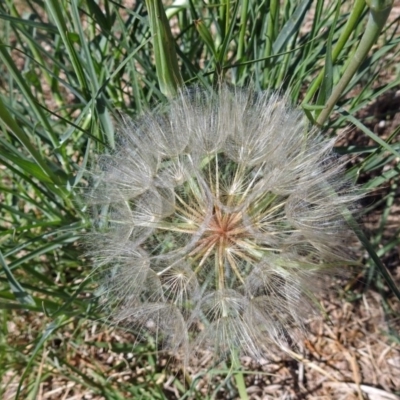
(224, 210)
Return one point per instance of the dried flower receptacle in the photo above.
(216, 216)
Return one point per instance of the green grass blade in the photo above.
(368, 246)
(370, 134)
(291, 26)
(19, 292)
(50, 329)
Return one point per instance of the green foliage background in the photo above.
(67, 67)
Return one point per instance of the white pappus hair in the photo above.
(224, 208)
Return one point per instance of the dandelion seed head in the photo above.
(223, 210)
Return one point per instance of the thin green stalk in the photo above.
(242, 31)
(25, 89)
(58, 15)
(368, 246)
(49, 176)
(271, 27)
(239, 378)
(168, 74)
(344, 37)
(284, 66)
(379, 12)
(31, 42)
(272, 21)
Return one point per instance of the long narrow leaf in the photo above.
(20, 294)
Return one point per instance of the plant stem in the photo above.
(168, 74)
(344, 37)
(239, 378)
(376, 21)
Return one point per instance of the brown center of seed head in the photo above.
(223, 242)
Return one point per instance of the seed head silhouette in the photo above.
(215, 218)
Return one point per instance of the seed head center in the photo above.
(224, 227)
